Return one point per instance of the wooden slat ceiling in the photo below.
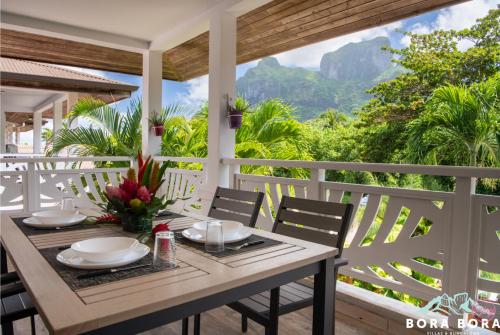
(278, 26)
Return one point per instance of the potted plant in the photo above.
(235, 112)
(157, 123)
(134, 202)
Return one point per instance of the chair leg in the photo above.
(3, 260)
(274, 307)
(244, 323)
(197, 324)
(7, 328)
(185, 326)
(33, 326)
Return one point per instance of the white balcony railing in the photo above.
(461, 234)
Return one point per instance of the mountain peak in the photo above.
(357, 61)
(269, 61)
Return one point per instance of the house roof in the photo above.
(30, 74)
(277, 26)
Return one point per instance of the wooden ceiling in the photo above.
(278, 26)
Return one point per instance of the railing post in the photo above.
(233, 171)
(314, 186)
(457, 264)
(34, 188)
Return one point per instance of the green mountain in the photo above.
(341, 82)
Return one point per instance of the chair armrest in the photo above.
(9, 277)
(12, 289)
(340, 262)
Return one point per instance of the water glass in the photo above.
(214, 241)
(68, 204)
(164, 253)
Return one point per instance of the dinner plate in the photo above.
(70, 258)
(34, 222)
(195, 236)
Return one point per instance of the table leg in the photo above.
(324, 299)
(272, 328)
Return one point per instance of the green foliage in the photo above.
(459, 126)
(430, 61)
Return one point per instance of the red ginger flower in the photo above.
(160, 227)
(130, 187)
(144, 195)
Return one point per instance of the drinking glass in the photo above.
(164, 254)
(214, 241)
(68, 204)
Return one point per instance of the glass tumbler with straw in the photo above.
(214, 238)
(164, 252)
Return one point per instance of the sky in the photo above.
(194, 92)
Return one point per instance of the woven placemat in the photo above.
(200, 246)
(69, 275)
(30, 231)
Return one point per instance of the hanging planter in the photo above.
(157, 123)
(234, 114)
(158, 130)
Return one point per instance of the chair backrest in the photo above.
(237, 205)
(314, 221)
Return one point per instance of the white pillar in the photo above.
(221, 81)
(3, 132)
(18, 137)
(152, 68)
(57, 107)
(37, 132)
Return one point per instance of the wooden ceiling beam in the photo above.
(275, 27)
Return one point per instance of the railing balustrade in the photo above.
(452, 238)
(28, 184)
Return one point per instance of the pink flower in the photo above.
(124, 196)
(144, 194)
(113, 192)
(130, 187)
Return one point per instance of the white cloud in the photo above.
(456, 17)
(197, 92)
(310, 56)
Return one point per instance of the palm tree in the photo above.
(269, 130)
(459, 127)
(110, 132)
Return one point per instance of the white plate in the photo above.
(228, 227)
(55, 216)
(195, 236)
(34, 222)
(69, 258)
(104, 249)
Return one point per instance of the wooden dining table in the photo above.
(200, 282)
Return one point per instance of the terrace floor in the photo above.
(225, 321)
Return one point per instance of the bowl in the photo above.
(55, 216)
(228, 227)
(104, 249)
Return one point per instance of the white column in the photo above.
(18, 137)
(221, 81)
(57, 120)
(3, 132)
(152, 68)
(37, 132)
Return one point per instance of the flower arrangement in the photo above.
(134, 202)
